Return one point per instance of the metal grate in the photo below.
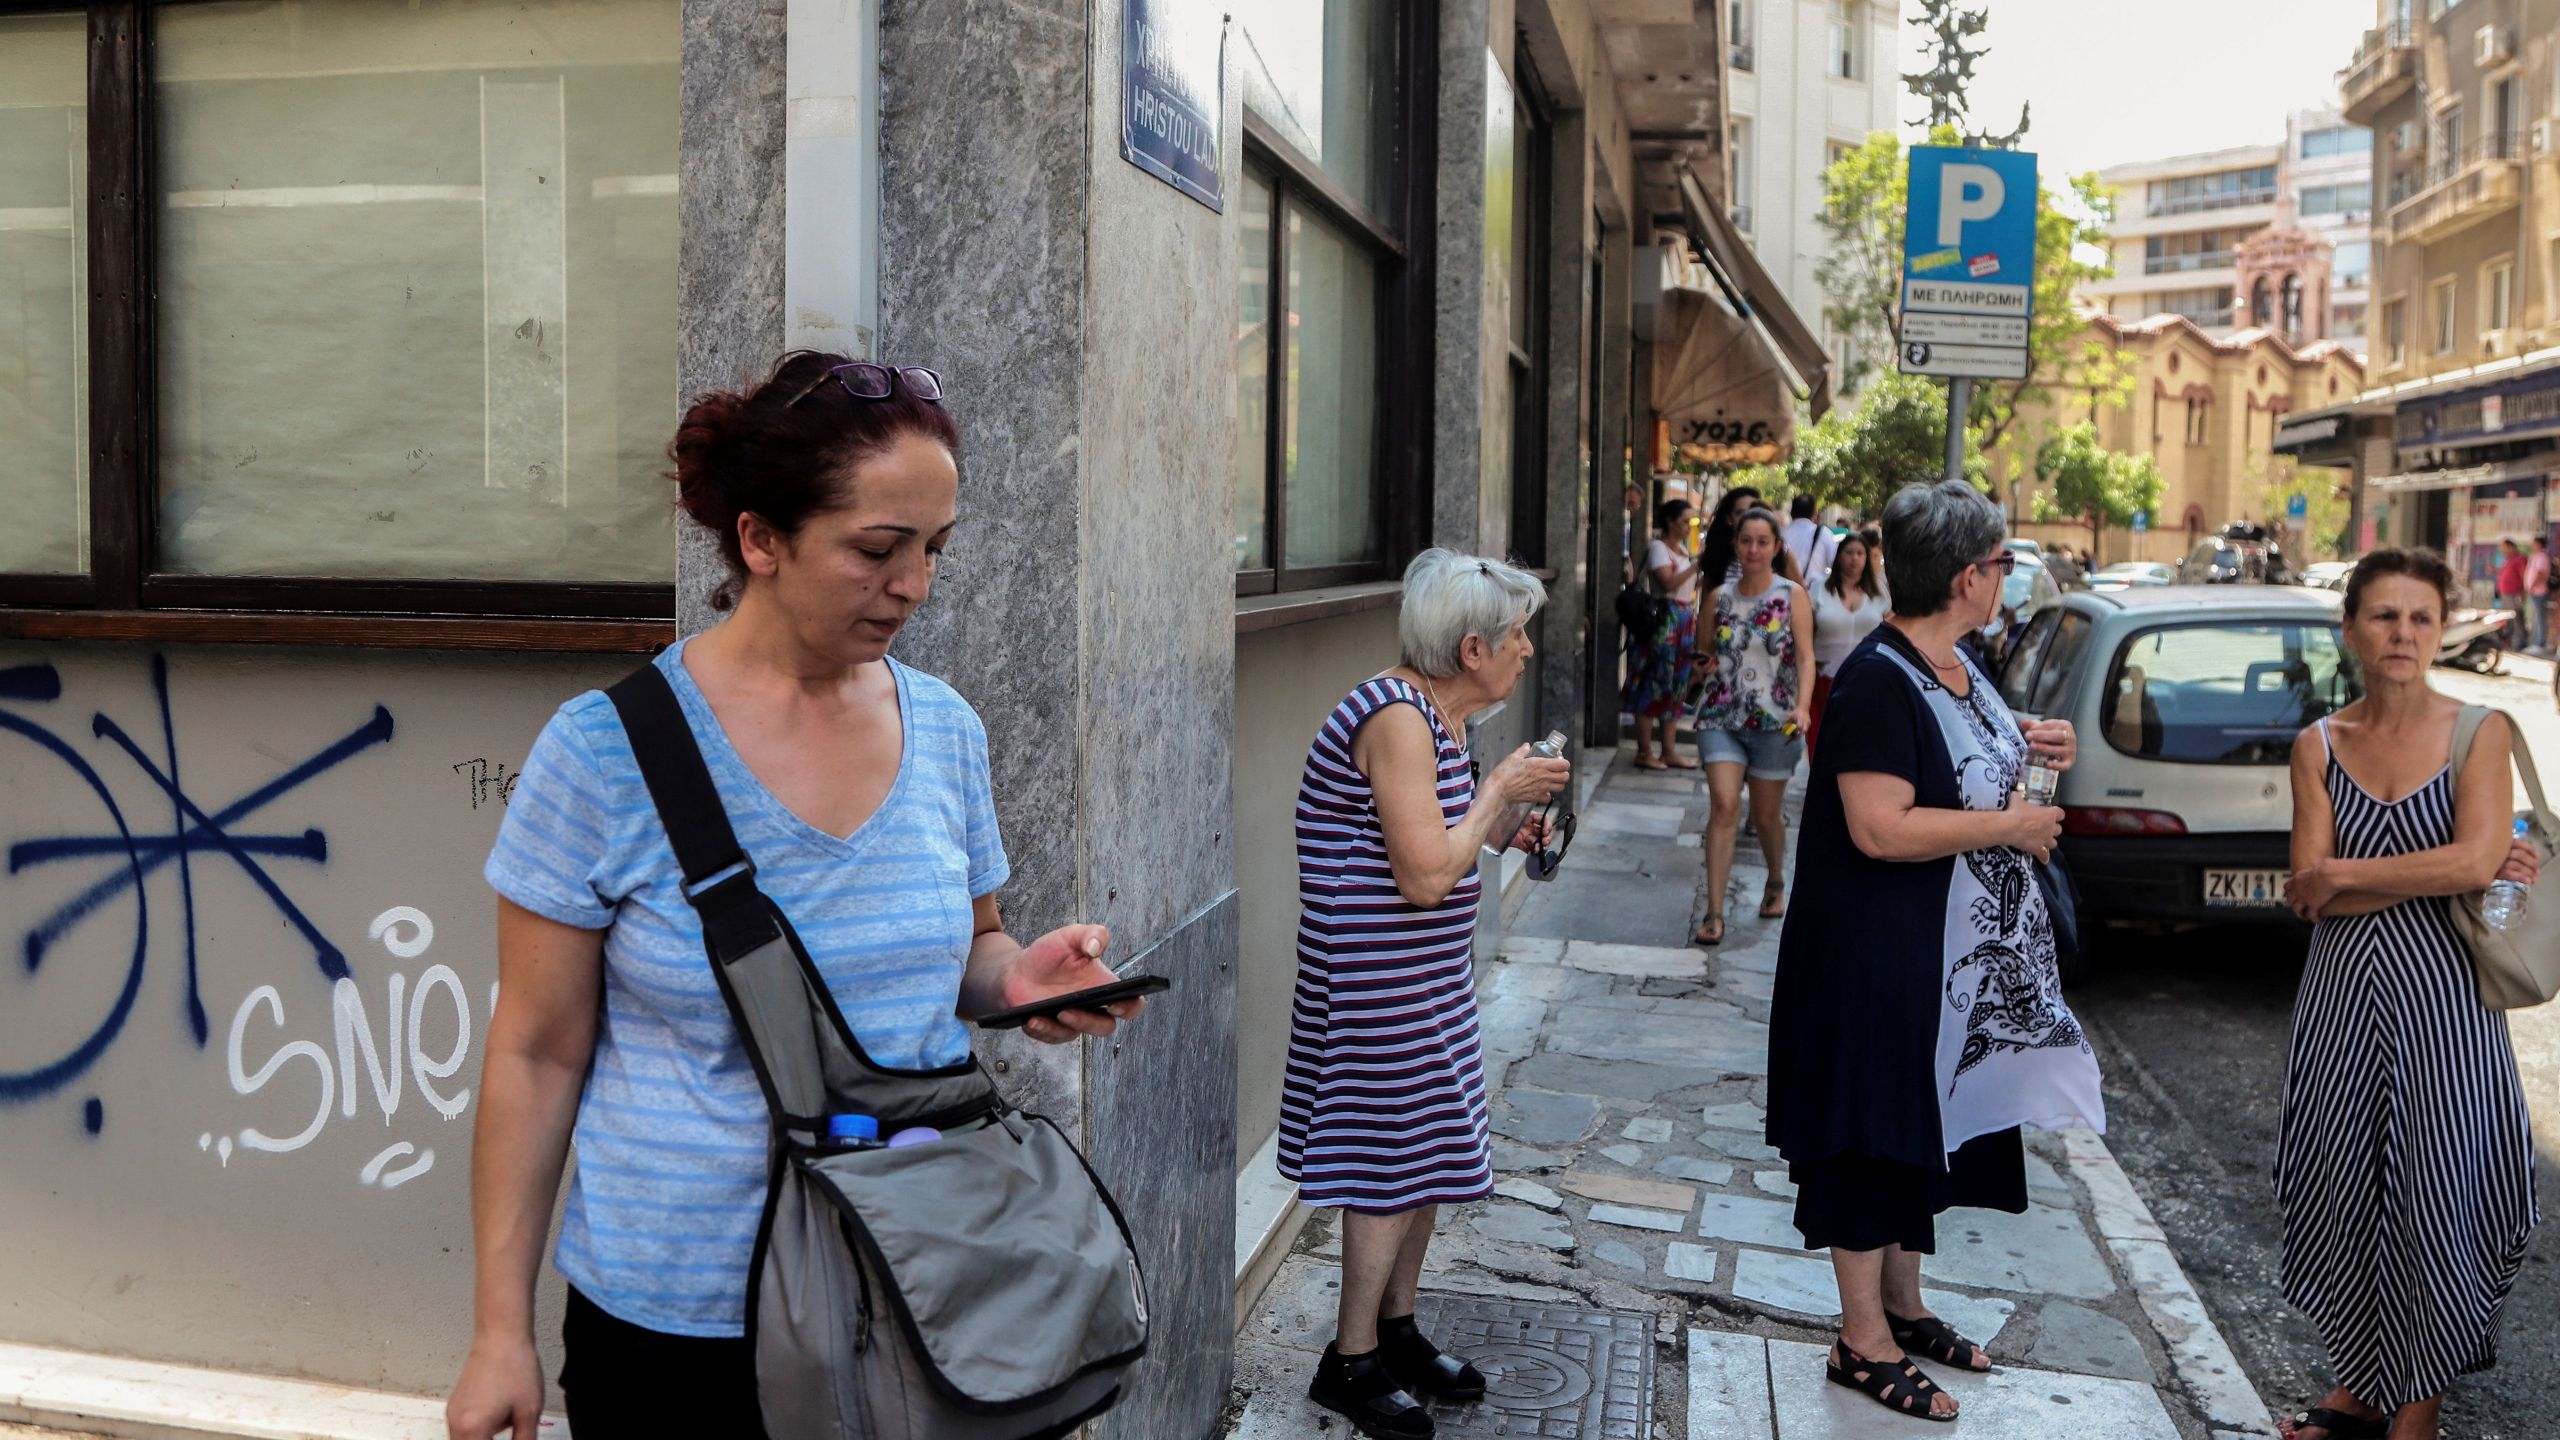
(1553, 1371)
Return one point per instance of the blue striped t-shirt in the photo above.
(670, 1178)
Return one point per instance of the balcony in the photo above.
(2384, 69)
(2458, 189)
(2180, 264)
(2218, 200)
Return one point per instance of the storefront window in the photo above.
(44, 393)
(1253, 376)
(417, 309)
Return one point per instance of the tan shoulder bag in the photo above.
(2519, 966)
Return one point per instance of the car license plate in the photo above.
(2244, 888)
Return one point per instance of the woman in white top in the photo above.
(1658, 665)
(1849, 603)
(1755, 638)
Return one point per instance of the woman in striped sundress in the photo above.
(2405, 1164)
(1382, 1112)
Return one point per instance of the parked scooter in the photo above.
(2476, 640)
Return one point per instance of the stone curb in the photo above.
(2203, 1361)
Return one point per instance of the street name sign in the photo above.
(1968, 263)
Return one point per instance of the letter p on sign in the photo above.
(1967, 192)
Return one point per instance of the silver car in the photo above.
(2187, 699)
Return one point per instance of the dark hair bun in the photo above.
(696, 451)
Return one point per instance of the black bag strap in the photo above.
(719, 879)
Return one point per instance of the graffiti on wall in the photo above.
(136, 859)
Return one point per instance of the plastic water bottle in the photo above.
(853, 1131)
(1516, 814)
(2504, 905)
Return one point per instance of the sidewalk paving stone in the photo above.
(2006, 1402)
(1544, 1117)
(1802, 1284)
(1749, 1220)
(1635, 962)
(1622, 1190)
(1632, 818)
(1684, 1261)
(1618, 1253)
(1647, 1129)
(1689, 1167)
(1616, 1079)
(2070, 1337)
(1736, 1047)
(2046, 1251)
(1529, 1192)
(1628, 1155)
(1636, 1219)
(1516, 1225)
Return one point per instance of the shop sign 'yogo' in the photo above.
(1173, 94)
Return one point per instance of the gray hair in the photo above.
(1449, 596)
(1932, 532)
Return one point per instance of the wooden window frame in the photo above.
(1402, 489)
(126, 594)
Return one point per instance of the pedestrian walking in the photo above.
(1917, 1019)
(859, 787)
(1810, 544)
(1382, 1108)
(1715, 552)
(1758, 659)
(2510, 588)
(2537, 594)
(2404, 1168)
(1659, 664)
(1847, 605)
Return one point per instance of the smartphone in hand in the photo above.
(1093, 999)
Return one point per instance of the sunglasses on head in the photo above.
(864, 380)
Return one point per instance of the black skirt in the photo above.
(622, 1381)
(1861, 1202)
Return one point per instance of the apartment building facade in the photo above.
(2465, 325)
(2180, 223)
(2326, 177)
(1807, 81)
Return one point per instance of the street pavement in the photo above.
(2192, 1038)
(1636, 1275)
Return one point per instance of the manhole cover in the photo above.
(1549, 1370)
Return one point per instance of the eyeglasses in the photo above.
(2006, 562)
(1559, 830)
(864, 380)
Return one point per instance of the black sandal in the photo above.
(2338, 1424)
(1900, 1387)
(1939, 1341)
(1424, 1369)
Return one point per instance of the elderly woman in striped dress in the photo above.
(2405, 1164)
(1382, 1113)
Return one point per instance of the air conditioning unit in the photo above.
(2489, 45)
(2493, 342)
(2542, 136)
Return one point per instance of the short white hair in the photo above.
(1449, 596)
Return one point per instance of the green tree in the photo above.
(1857, 457)
(1864, 194)
(1950, 48)
(2325, 506)
(2084, 482)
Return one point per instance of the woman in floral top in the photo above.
(1756, 653)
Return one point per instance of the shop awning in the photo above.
(2462, 479)
(1716, 383)
(2310, 430)
(1756, 298)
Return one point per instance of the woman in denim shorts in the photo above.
(1755, 647)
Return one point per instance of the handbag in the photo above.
(2519, 966)
(2061, 906)
(981, 1285)
(1642, 614)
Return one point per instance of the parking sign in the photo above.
(1968, 262)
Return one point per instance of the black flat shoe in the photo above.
(1422, 1366)
(1360, 1389)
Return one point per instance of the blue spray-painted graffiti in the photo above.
(131, 859)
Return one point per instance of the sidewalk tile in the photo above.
(2008, 1402)
(1517, 1225)
(1544, 1117)
(1798, 1284)
(1529, 1192)
(1775, 1182)
(1729, 1387)
(1684, 1261)
(1750, 1220)
(2084, 1342)
(1532, 950)
(1649, 1129)
(1620, 1189)
(1617, 1079)
(1634, 962)
(1630, 1156)
(1636, 1219)
(1633, 818)
(1741, 1147)
(1689, 1167)
(1733, 1047)
(1620, 1254)
(2046, 1251)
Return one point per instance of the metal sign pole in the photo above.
(1959, 402)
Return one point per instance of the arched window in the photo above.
(2293, 305)
(2262, 302)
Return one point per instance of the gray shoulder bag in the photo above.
(2517, 967)
(981, 1285)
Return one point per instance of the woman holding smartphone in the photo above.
(859, 787)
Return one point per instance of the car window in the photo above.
(2061, 662)
(2233, 693)
(2018, 676)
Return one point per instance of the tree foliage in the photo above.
(2083, 482)
(1857, 458)
(2326, 508)
(1952, 33)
